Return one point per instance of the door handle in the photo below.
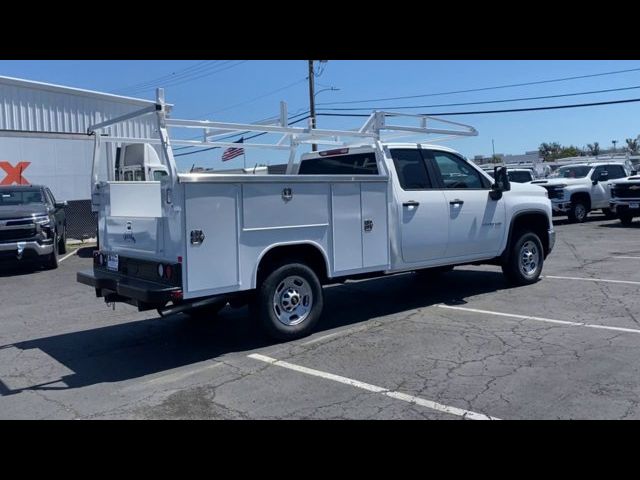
(456, 202)
(410, 203)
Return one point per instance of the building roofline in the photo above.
(19, 82)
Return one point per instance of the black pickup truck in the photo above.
(32, 225)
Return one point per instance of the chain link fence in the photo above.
(82, 223)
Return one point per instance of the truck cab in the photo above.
(139, 162)
(579, 188)
(625, 198)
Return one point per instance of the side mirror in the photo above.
(501, 184)
(633, 173)
(604, 176)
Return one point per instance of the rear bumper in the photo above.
(19, 248)
(141, 293)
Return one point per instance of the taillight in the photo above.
(338, 151)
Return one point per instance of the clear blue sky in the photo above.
(214, 90)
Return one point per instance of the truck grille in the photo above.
(554, 192)
(18, 234)
(626, 191)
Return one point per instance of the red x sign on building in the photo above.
(14, 174)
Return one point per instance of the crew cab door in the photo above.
(476, 222)
(422, 210)
(599, 191)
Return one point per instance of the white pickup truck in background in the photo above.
(575, 190)
(197, 241)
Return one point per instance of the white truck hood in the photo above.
(562, 181)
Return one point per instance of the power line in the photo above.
(196, 66)
(479, 112)
(484, 88)
(405, 107)
(256, 98)
(212, 70)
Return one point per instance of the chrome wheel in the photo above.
(529, 259)
(580, 212)
(292, 300)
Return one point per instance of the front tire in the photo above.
(578, 212)
(289, 302)
(625, 219)
(51, 262)
(62, 244)
(525, 260)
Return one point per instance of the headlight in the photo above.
(42, 220)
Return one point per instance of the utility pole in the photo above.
(614, 145)
(312, 106)
(493, 148)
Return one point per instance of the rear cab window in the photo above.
(345, 164)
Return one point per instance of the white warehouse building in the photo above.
(43, 140)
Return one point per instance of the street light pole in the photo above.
(312, 106)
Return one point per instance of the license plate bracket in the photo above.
(112, 262)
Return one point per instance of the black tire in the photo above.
(62, 243)
(513, 268)
(278, 285)
(625, 219)
(51, 262)
(578, 212)
(608, 213)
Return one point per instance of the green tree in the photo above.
(632, 145)
(594, 148)
(549, 151)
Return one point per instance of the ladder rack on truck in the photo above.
(196, 241)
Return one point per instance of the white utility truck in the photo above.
(193, 242)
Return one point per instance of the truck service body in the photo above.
(195, 241)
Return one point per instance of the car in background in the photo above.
(577, 189)
(33, 224)
(518, 175)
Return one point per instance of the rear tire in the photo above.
(578, 212)
(625, 219)
(525, 260)
(289, 302)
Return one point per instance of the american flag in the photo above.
(233, 152)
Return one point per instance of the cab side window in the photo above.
(615, 171)
(455, 173)
(411, 169)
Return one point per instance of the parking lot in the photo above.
(466, 347)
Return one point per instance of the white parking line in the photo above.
(60, 260)
(628, 282)
(466, 414)
(636, 258)
(541, 319)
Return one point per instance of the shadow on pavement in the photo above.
(135, 349)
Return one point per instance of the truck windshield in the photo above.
(519, 177)
(20, 197)
(571, 172)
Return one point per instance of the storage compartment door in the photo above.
(375, 232)
(212, 259)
